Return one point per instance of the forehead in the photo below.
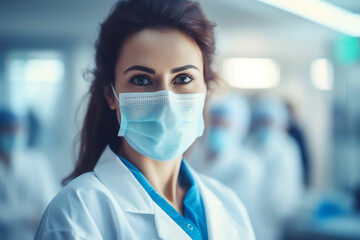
(160, 49)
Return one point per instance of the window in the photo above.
(253, 73)
(34, 78)
(322, 74)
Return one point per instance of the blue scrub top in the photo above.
(194, 220)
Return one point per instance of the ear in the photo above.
(110, 98)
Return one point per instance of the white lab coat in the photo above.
(238, 168)
(282, 190)
(26, 188)
(109, 203)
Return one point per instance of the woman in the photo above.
(152, 70)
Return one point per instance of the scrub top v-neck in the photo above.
(194, 220)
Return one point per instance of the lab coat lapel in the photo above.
(167, 228)
(132, 197)
(219, 223)
(122, 184)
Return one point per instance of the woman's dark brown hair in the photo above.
(128, 17)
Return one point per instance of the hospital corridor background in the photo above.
(282, 128)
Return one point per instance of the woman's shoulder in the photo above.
(219, 189)
(85, 193)
(83, 185)
(226, 195)
(231, 206)
(76, 209)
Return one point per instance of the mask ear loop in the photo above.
(112, 88)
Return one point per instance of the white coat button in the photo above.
(190, 226)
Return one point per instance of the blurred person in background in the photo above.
(33, 127)
(295, 130)
(222, 154)
(282, 188)
(26, 183)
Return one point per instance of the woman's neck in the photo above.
(163, 176)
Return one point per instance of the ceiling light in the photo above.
(322, 13)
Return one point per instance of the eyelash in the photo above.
(186, 75)
(132, 80)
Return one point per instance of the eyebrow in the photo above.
(140, 68)
(179, 69)
(152, 71)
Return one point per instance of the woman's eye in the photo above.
(183, 79)
(140, 80)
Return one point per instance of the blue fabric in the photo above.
(8, 118)
(194, 220)
(220, 139)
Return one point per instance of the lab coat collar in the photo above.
(217, 216)
(118, 179)
(131, 196)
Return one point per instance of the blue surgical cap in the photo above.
(233, 108)
(271, 110)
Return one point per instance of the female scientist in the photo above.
(152, 69)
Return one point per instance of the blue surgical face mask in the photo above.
(8, 143)
(161, 125)
(219, 139)
(264, 134)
